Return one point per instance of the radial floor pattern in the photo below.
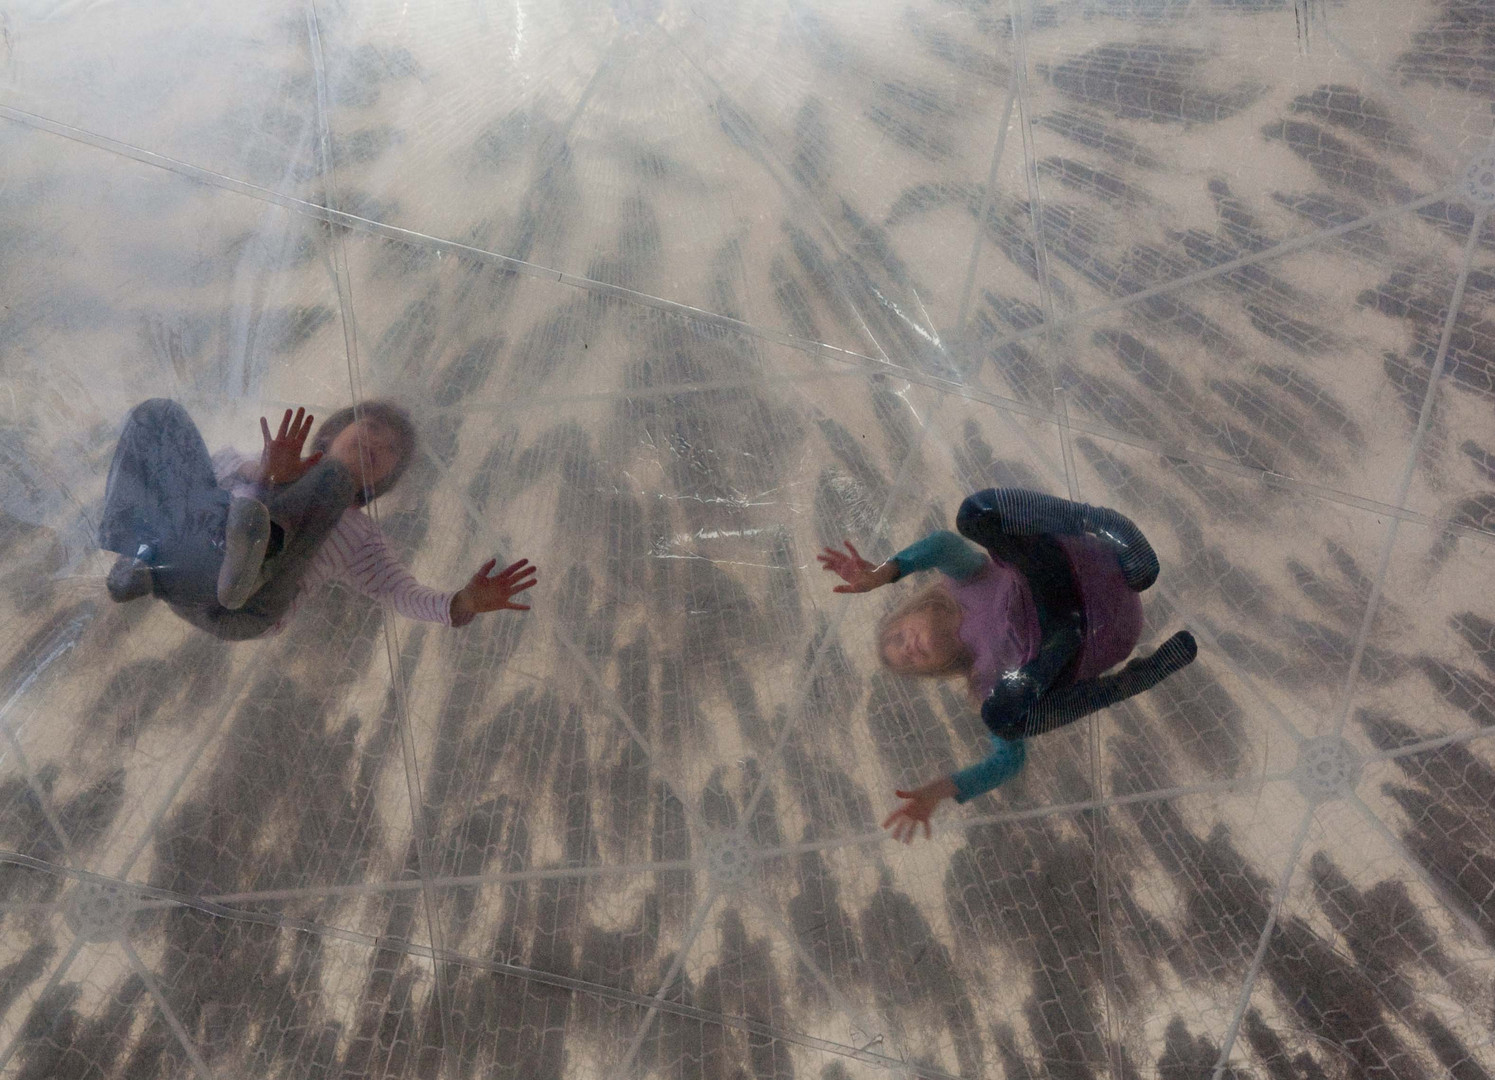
(679, 291)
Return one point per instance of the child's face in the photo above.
(369, 450)
(920, 643)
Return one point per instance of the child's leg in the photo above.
(163, 509)
(1002, 512)
(1067, 704)
(327, 488)
(160, 481)
(246, 534)
(307, 512)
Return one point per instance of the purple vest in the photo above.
(999, 624)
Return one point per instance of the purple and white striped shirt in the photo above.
(355, 553)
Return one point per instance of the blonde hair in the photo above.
(936, 598)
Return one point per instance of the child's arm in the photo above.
(365, 562)
(942, 551)
(1004, 762)
(373, 570)
(488, 591)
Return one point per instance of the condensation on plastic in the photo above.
(677, 293)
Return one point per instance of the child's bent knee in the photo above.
(156, 410)
(972, 507)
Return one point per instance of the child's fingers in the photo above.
(927, 833)
(486, 567)
(285, 424)
(265, 430)
(852, 548)
(904, 794)
(526, 585)
(517, 607)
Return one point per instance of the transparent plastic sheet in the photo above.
(678, 293)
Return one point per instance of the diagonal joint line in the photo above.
(1409, 468)
(1466, 736)
(1466, 923)
(1219, 787)
(986, 203)
(43, 800)
(615, 707)
(167, 1013)
(1278, 899)
(1286, 247)
(863, 1025)
(326, 166)
(58, 974)
(697, 924)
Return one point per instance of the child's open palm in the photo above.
(859, 574)
(280, 461)
(493, 592)
(917, 808)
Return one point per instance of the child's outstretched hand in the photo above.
(917, 807)
(859, 575)
(491, 593)
(280, 461)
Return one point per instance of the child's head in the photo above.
(375, 440)
(922, 636)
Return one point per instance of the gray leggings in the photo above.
(162, 494)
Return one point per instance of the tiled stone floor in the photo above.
(678, 292)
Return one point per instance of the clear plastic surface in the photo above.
(678, 292)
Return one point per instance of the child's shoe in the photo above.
(130, 577)
(244, 541)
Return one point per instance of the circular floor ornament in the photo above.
(99, 911)
(1327, 768)
(729, 860)
(1479, 178)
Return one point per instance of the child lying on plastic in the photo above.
(1031, 623)
(232, 545)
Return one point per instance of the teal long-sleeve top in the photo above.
(952, 556)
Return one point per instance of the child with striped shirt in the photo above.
(233, 545)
